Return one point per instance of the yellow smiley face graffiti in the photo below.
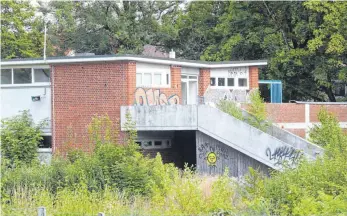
(211, 158)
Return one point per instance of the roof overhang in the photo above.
(165, 61)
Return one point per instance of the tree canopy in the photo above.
(21, 32)
(304, 42)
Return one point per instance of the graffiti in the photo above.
(154, 97)
(212, 153)
(284, 153)
(215, 95)
(239, 71)
(211, 158)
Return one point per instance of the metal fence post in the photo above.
(41, 211)
(101, 214)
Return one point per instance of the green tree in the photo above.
(20, 138)
(21, 32)
(190, 30)
(105, 27)
(307, 60)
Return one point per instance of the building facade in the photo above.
(69, 91)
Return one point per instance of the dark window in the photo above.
(42, 75)
(147, 143)
(231, 82)
(157, 143)
(167, 79)
(21, 75)
(6, 76)
(339, 89)
(221, 81)
(138, 143)
(213, 81)
(46, 142)
(242, 82)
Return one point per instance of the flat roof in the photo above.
(126, 57)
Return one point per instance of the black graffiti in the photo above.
(284, 153)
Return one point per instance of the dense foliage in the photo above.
(117, 179)
(21, 32)
(20, 138)
(305, 42)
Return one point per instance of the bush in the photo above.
(313, 187)
(20, 138)
(231, 108)
(257, 109)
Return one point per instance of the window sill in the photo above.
(43, 84)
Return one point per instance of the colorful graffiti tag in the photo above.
(154, 97)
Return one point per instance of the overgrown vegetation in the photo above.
(257, 116)
(116, 179)
(20, 138)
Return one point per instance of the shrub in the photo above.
(329, 134)
(313, 187)
(20, 138)
(257, 109)
(231, 108)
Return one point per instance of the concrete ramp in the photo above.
(269, 149)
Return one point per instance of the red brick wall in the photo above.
(295, 113)
(80, 91)
(253, 77)
(340, 111)
(204, 81)
(286, 112)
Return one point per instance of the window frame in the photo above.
(225, 73)
(153, 140)
(32, 83)
(165, 76)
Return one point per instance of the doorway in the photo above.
(189, 85)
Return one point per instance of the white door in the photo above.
(189, 89)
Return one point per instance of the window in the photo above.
(18, 76)
(213, 81)
(231, 82)
(41, 75)
(6, 76)
(46, 142)
(221, 81)
(147, 144)
(22, 76)
(147, 79)
(157, 79)
(229, 78)
(242, 82)
(154, 144)
(152, 75)
(138, 79)
(157, 143)
(167, 79)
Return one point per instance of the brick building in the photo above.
(69, 91)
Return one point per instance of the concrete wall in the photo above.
(234, 133)
(44, 155)
(236, 162)
(177, 117)
(15, 99)
(290, 138)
